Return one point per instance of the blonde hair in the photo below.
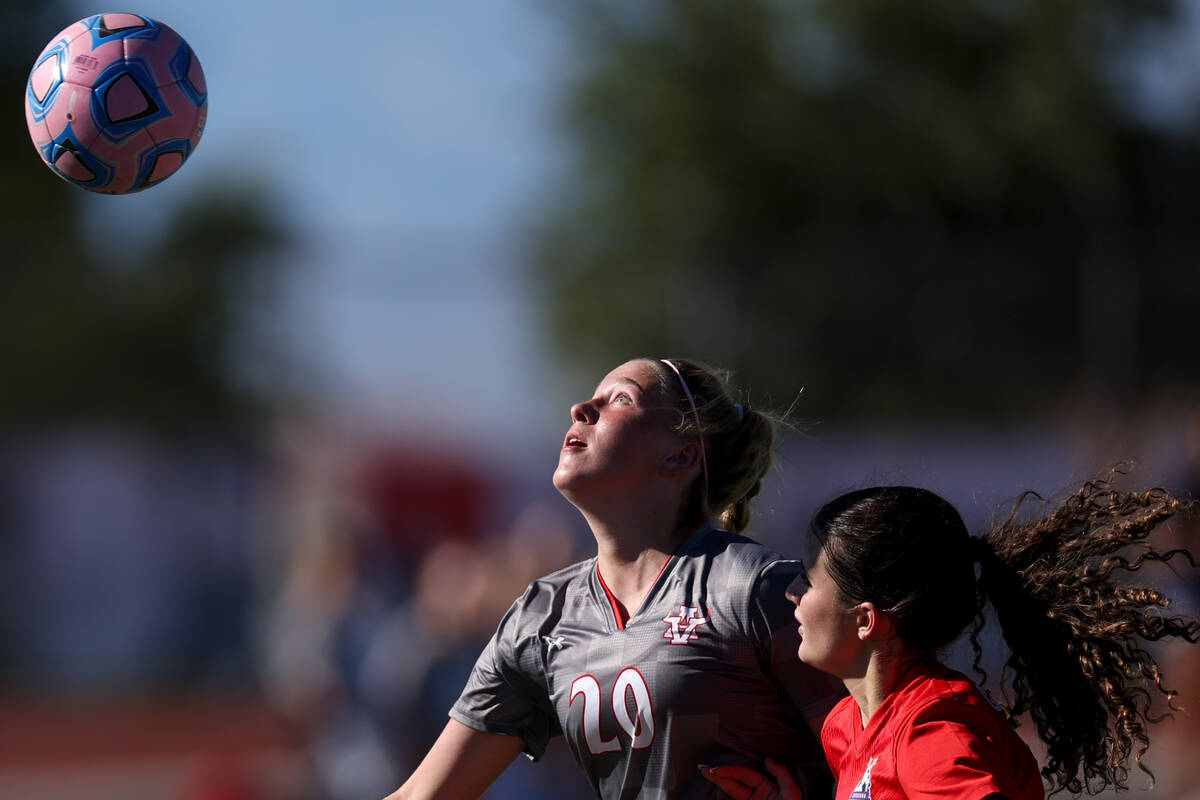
(738, 440)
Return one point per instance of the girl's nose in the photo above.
(583, 412)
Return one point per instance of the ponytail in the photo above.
(738, 441)
(1076, 633)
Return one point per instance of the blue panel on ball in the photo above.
(67, 143)
(40, 105)
(147, 30)
(149, 160)
(116, 130)
(181, 65)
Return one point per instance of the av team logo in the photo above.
(683, 625)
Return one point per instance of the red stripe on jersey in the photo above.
(620, 616)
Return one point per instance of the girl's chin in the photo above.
(804, 657)
(569, 483)
(564, 478)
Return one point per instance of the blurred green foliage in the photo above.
(925, 209)
(139, 332)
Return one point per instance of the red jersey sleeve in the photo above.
(965, 751)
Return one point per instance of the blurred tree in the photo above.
(923, 209)
(146, 343)
(38, 219)
(134, 332)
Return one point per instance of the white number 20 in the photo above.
(639, 730)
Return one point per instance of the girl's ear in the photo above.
(871, 622)
(682, 458)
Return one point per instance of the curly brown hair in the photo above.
(1075, 631)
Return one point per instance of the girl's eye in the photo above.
(622, 397)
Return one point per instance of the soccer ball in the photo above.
(116, 103)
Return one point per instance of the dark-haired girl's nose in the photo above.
(796, 590)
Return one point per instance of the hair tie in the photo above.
(699, 428)
(741, 411)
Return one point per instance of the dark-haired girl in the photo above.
(897, 577)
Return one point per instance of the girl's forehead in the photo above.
(812, 552)
(639, 372)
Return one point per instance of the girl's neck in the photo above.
(630, 554)
(632, 528)
(885, 673)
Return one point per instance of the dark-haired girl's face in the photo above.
(828, 631)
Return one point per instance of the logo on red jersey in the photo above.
(863, 790)
(684, 624)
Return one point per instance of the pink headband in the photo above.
(699, 428)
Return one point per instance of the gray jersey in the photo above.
(705, 672)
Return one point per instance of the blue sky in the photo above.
(408, 142)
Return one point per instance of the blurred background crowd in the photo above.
(276, 436)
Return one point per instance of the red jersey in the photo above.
(936, 737)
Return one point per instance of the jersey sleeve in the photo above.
(506, 692)
(810, 692)
(963, 750)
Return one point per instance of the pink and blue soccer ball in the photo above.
(116, 103)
